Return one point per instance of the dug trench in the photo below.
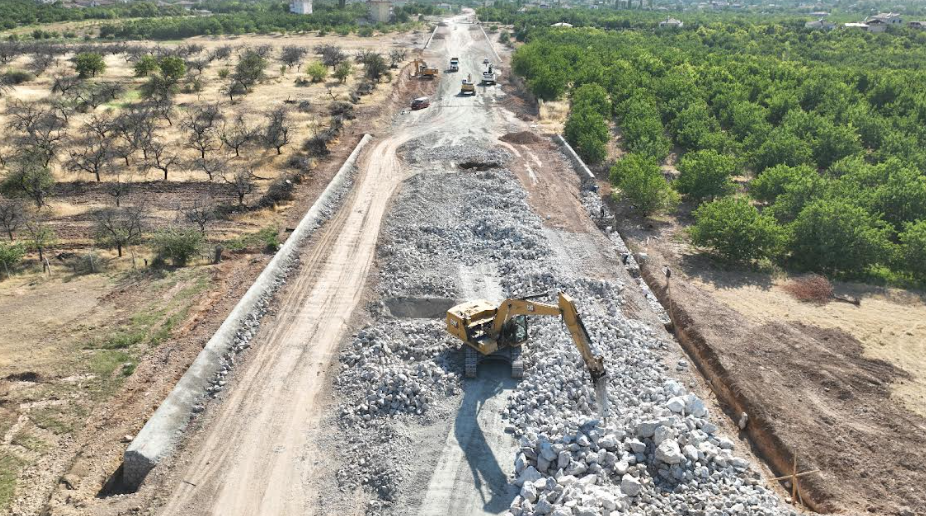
(814, 402)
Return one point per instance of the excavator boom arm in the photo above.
(565, 308)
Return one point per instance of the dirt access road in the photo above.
(252, 457)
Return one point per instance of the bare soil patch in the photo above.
(834, 384)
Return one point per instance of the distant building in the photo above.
(820, 25)
(380, 10)
(877, 25)
(671, 23)
(885, 18)
(300, 6)
(819, 14)
(917, 25)
(561, 24)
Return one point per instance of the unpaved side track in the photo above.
(252, 459)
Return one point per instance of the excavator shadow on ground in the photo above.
(484, 398)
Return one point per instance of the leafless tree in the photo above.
(163, 108)
(331, 55)
(221, 53)
(210, 166)
(135, 129)
(91, 155)
(263, 50)
(41, 61)
(243, 182)
(119, 184)
(119, 227)
(237, 134)
(276, 134)
(65, 83)
(200, 213)
(12, 215)
(40, 127)
(161, 157)
(292, 55)
(99, 125)
(200, 125)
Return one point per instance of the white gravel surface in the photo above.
(656, 453)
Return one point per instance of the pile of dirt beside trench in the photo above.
(522, 138)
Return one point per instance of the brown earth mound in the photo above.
(522, 138)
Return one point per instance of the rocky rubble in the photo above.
(394, 369)
(656, 453)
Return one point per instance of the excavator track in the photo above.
(471, 361)
(517, 364)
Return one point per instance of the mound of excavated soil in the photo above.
(521, 138)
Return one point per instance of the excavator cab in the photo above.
(514, 332)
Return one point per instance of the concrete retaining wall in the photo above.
(428, 44)
(584, 173)
(159, 436)
(498, 58)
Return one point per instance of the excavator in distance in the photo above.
(499, 330)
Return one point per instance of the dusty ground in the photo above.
(93, 355)
(838, 385)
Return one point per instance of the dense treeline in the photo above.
(15, 13)
(324, 18)
(831, 130)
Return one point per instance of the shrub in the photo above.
(280, 190)
(705, 174)
(735, 230)
(343, 71)
(812, 288)
(317, 71)
(836, 236)
(16, 77)
(641, 182)
(176, 244)
(10, 256)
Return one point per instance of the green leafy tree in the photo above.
(11, 254)
(250, 69)
(782, 148)
(797, 194)
(89, 64)
(734, 229)
(834, 236)
(706, 174)
(641, 182)
(317, 71)
(913, 249)
(39, 237)
(587, 131)
(772, 182)
(172, 69)
(145, 65)
(28, 177)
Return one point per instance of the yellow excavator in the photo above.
(499, 329)
(423, 71)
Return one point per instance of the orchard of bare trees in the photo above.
(80, 166)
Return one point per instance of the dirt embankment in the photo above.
(810, 392)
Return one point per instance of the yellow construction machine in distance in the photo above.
(423, 71)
